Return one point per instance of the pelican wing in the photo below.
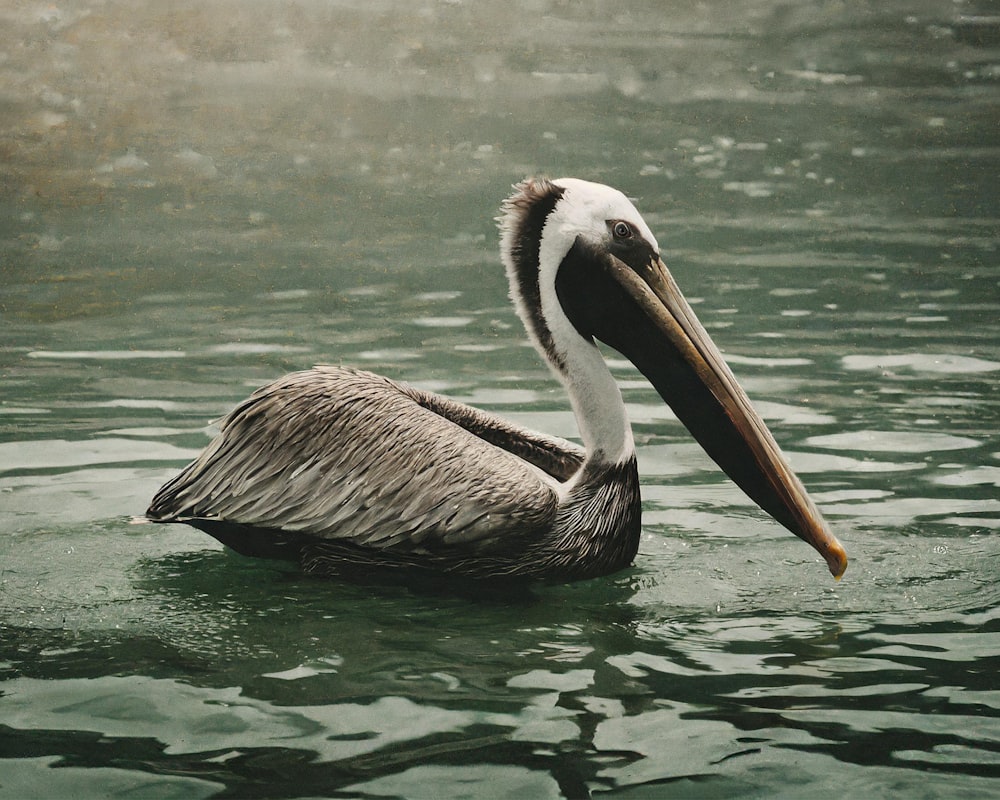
(349, 456)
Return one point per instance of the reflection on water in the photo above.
(199, 198)
(579, 687)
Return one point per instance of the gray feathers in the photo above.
(344, 454)
(358, 463)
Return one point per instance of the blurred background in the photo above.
(198, 197)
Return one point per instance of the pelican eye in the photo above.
(621, 230)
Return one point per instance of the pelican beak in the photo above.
(637, 309)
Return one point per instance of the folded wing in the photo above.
(348, 456)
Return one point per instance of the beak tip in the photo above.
(836, 559)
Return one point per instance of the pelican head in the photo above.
(584, 266)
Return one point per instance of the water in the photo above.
(199, 198)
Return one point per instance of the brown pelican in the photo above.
(342, 469)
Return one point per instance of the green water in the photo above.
(197, 198)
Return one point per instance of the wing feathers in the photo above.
(347, 455)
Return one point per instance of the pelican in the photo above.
(341, 469)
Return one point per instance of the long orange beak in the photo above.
(640, 312)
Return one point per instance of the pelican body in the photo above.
(341, 469)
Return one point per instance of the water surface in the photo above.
(197, 198)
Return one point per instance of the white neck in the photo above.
(597, 403)
(596, 398)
